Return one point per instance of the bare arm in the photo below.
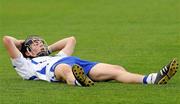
(12, 45)
(66, 45)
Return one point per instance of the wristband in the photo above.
(49, 51)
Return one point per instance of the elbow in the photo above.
(73, 39)
(6, 39)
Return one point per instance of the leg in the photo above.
(64, 72)
(102, 72)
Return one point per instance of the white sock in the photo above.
(77, 83)
(151, 78)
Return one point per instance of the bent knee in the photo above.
(64, 68)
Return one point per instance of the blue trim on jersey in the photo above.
(54, 81)
(43, 70)
(32, 78)
(34, 62)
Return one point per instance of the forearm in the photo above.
(66, 45)
(57, 45)
(15, 41)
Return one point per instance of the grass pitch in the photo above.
(141, 35)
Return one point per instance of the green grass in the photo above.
(141, 35)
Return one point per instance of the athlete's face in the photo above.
(36, 47)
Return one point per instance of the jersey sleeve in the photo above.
(21, 65)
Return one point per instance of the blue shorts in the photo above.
(86, 65)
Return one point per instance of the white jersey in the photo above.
(37, 68)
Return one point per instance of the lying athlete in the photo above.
(32, 60)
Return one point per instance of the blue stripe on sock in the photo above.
(145, 79)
